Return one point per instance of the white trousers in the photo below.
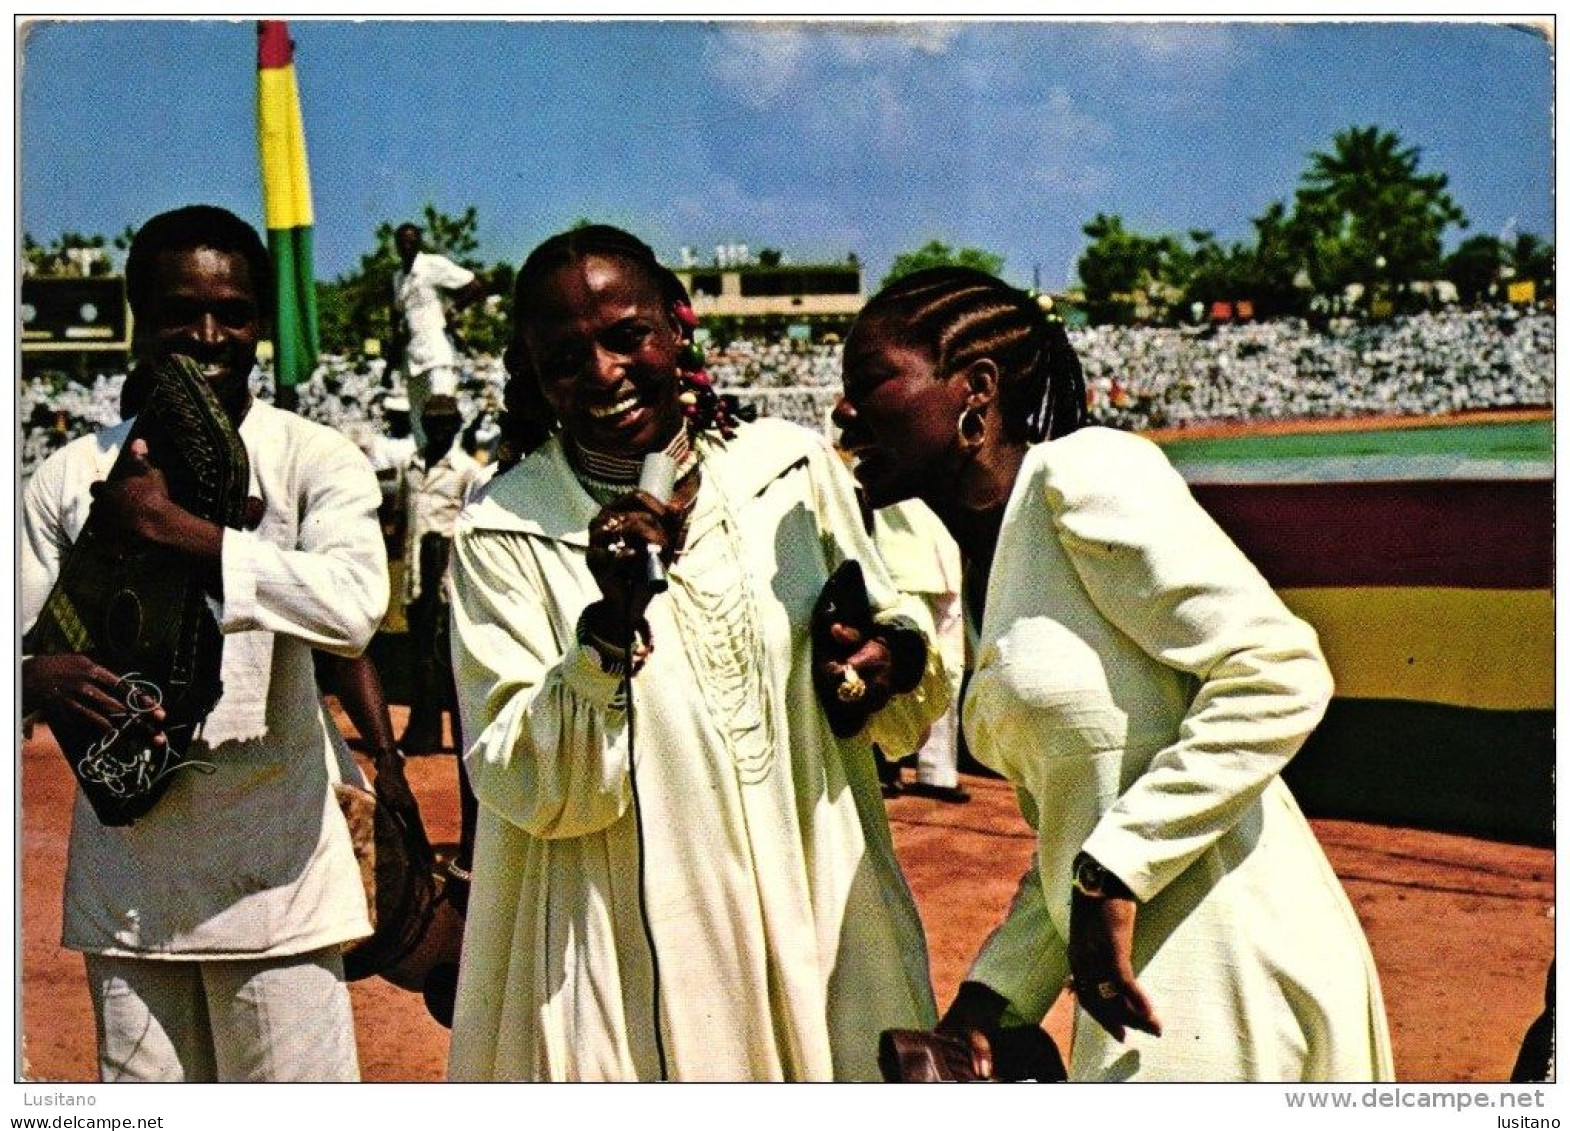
(937, 762)
(250, 1020)
(424, 385)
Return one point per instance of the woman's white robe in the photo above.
(1143, 687)
(785, 935)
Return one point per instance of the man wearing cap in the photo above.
(436, 480)
(420, 322)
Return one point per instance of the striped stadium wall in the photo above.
(1433, 601)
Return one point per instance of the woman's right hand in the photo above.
(619, 537)
(975, 1014)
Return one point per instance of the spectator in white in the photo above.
(924, 562)
(420, 336)
(436, 482)
(387, 450)
(213, 926)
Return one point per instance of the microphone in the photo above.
(659, 481)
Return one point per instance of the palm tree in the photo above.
(1370, 215)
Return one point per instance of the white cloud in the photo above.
(759, 63)
(723, 207)
(888, 42)
(1175, 42)
(763, 63)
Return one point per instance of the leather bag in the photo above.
(140, 610)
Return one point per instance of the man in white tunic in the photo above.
(436, 480)
(212, 927)
(420, 320)
(924, 561)
(680, 872)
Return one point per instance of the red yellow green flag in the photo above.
(286, 195)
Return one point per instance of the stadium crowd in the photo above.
(1138, 377)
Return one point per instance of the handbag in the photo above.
(1019, 1053)
(914, 1056)
(140, 610)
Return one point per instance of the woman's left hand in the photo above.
(1100, 957)
(854, 658)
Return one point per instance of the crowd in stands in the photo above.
(1139, 377)
(1422, 365)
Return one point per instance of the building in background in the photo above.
(739, 294)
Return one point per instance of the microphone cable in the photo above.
(631, 638)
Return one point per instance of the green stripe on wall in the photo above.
(1528, 440)
(1422, 765)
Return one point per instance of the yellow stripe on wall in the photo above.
(286, 186)
(1485, 648)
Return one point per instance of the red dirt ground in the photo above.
(1461, 929)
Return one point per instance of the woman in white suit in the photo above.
(1142, 686)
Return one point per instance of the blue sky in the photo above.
(820, 139)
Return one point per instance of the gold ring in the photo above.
(852, 687)
(1108, 990)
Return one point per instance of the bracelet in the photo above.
(613, 658)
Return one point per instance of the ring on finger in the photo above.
(1107, 990)
(852, 687)
(617, 547)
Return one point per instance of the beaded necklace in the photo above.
(605, 476)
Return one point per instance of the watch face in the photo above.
(1089, 877)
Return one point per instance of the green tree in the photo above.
(1474, 267)
(1280, 278)
(939, 254)
(1369, 215)
(71, 253)
(1126, 273)
(1531, 258)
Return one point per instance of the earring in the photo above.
(972, 429)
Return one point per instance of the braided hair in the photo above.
(959, 315)
(706, 409)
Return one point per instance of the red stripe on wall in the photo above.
(1493, 534)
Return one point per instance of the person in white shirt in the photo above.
(213, 926)
(436, 481)
(420, 336)
(924, 562)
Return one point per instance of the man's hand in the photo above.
(72, 685)
(392, 787)
(138, 505)
(853, 655)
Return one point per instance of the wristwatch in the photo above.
(1093, 881)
